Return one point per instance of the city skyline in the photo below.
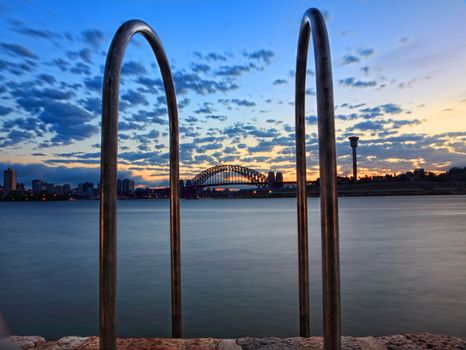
(396, 88)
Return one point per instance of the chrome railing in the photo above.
(108, 180)
(328, 180)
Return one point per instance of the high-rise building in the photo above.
(354, 145)
(66, 188)
(9, 181)
(271, 180)
(58, 189)
(128, 187)
(50, 187)
(36, 186)
(279, 179)
(419, 173)
(119, 187)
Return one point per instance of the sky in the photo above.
(398, 70)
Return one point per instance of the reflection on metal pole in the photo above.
(108, 180)
(328, 180)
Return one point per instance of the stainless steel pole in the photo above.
(328, 180)
(108, 180)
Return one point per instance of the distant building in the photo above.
(119, 187)
(86, 189)
(271, 180)
(279, 179)
(58, 189)
(49, 187)
(36, 186)
(66, 188)
(418, 173)
(9, 181)
(128, 187)
(354, 145)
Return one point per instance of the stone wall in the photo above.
(418, 341)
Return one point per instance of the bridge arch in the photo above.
(208, 176)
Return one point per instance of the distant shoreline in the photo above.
(368, 189)
(268, 196)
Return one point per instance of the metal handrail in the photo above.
(108, 180)
(328, 180)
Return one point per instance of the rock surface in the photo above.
(416, 341)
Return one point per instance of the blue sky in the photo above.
(398, 76)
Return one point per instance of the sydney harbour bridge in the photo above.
(231, 174)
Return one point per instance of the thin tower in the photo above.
(354, 145)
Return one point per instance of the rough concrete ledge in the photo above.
(415, 341)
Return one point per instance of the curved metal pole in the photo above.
(328, 180)
(108, 179)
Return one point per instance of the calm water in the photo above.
(403, 267)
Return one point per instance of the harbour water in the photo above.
(403, 265)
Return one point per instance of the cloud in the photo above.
(262, 146)
(211, 56)
(92, 104)
(233, 71)
(311, 119)
(353, 82)
(53, 108)
(126, 126)
(248, 130)
(279, 82)
(208, 147)
(81, 68)
(16, 50)
(382, 125)
(391, 108)
(145, 158)
(373, 112)
(133, 68)
(94, 37)
(348, 59)
(189, 82)
(84, 54)
(135, 98)
(352, 106)
(18, 68)
(237, 102)
(14, 137)
(261, 133)
(148, 137)
(47, 78)
(260, 55)
(29, 124)
(60, 63)
(206, 108)
(186, 82)
(365, 70)
(221, 118)
(351, 116)
(68, 121)
(150, 85)
(35, 33)
(311, 91)
(94, 83)
(151, 117)
(191, 120)
(366, 52)
(200, 68)
(5, 110)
